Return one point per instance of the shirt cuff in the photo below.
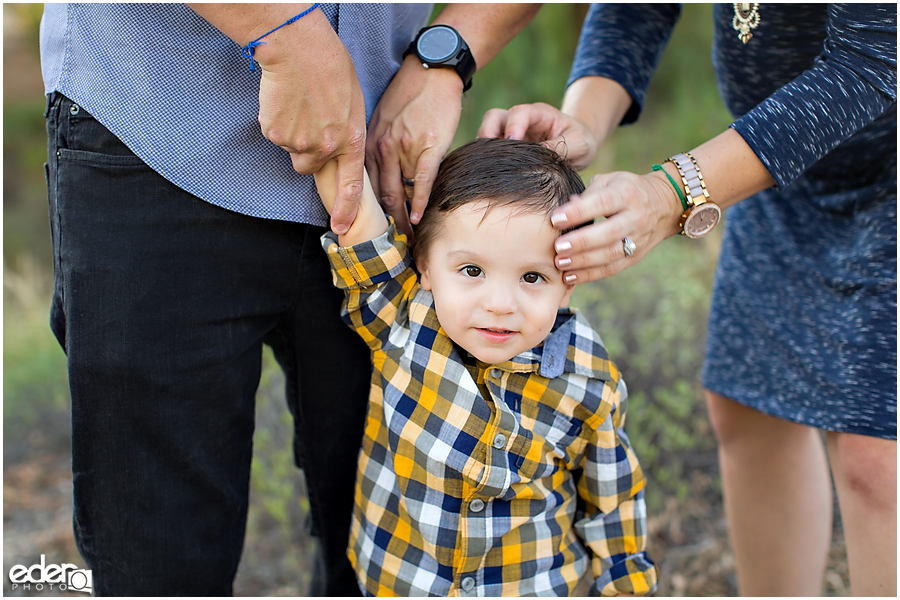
(634, 575)
(367, 263)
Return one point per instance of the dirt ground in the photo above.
(688, 540)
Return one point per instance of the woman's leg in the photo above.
(865, 475)
(777, 493)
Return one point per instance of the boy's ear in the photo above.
(424, 280)
(565, 299)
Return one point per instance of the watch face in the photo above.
(702, 220)
(437, 44)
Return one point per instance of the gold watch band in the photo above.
(694, 186)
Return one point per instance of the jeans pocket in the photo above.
(81, 133)
(99, 159)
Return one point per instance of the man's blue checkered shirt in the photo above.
(179, 94)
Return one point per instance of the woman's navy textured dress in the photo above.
(803, 324)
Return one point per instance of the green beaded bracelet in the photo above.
(675, 185)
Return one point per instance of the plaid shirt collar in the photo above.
(556, 354)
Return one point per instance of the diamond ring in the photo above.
(629, 246)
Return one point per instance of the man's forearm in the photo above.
(487, 28)
(245, 22)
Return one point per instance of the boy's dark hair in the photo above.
(527, 174)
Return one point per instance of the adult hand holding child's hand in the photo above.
(310, 100)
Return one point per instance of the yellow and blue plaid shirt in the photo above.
(485, 480)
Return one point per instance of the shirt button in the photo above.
(499, 441)
(476, 505)
(495, 373)
(468, 584)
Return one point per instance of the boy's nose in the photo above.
(500, 300)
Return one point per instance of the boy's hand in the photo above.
(370, 221)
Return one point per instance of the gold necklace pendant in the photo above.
(746, 17)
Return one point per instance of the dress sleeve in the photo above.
(854, 80)
(614, 526)
(624, 42)
(378, 281)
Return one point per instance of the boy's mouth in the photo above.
(496, 335)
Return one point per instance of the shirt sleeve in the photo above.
(614, 526)
(624, 42)
(378, 280)
(853, 81)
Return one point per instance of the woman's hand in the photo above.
(643, 208)
(410, 131)
(541, 122)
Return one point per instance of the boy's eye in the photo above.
(472, 271)
(532, 277)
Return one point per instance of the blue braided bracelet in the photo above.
(249, 49)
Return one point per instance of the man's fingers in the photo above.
(349, 192)
(390, 192)
(427, 167)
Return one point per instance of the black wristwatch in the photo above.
(442, 46)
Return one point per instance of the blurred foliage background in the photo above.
(652, 317)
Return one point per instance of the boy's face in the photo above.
(496, 288)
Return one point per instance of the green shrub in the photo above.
(652, 318)
(35, 381)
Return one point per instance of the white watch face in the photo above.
(702, 220)
(437, 44)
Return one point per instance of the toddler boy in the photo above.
(494, 460)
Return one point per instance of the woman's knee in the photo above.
(866, 467)
(737, 426)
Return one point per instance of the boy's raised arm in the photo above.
(370, 221)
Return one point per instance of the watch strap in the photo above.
(465, 65)
(463, 62)
(691, 178)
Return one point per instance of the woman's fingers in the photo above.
(623, 206)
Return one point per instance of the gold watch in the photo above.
(701, 215)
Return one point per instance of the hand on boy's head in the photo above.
(409, 133)
(543, 123)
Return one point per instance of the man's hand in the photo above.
(415, 120)
(310, 100)
(411, 130)
(311, 104)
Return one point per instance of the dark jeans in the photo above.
(162, 303)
